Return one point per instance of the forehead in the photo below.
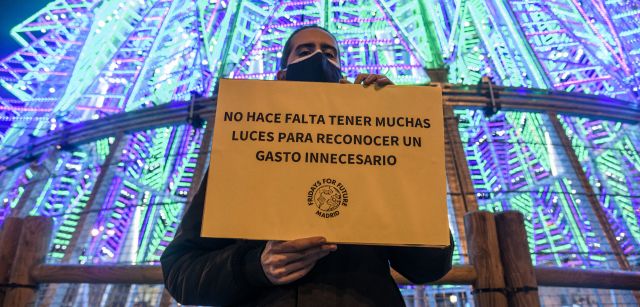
(312, 35)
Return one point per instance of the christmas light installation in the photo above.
(119, 199)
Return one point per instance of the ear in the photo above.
(281, 75)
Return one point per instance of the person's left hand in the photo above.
(368, 79)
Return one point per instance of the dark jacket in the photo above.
(205, 271)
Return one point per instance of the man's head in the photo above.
(306, 41)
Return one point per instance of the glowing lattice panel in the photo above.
(479, 39)
(578, 45)
(58, 185)
(516, 163)
(144, 198)
(372, 37)
(610, 157)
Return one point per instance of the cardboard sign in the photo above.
(356, 165)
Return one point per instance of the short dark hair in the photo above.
(286, 50)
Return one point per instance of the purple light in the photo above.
(546, 32)
(400, 66)
(294, 24)
(25, 109)
(23, 118)
(250, 76)
(356, 41)
(19, 70)
(213, 15)
(54, 56)
(354, 20)
(574, 82)
(269, 49)
(293, 3)
(105, 109)
(139, 38)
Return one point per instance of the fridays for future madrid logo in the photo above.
(328, 196)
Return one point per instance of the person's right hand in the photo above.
(287, 261)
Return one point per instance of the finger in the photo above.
(276, 260)
(299, 265)
(295, 275)
(359, 78)
(344, 81)
(272, 244)
(297, 269)
(384, 81)
(286, 258)
(299, 244)
(280, 275)
(370, 79)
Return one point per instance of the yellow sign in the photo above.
(356, 165)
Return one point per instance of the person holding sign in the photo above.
(302, 272)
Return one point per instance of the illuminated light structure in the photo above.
(567, 45)
(584, 47)
(517, 151)
(608, 152)
(477, 43)
(372, 37)
(118, 197)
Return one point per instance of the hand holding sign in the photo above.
(368, 79)
(285, 262)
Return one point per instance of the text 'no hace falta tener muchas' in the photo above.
(320, 119)
(327, 138)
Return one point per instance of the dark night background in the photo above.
(13, 12)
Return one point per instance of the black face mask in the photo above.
(316, 68)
